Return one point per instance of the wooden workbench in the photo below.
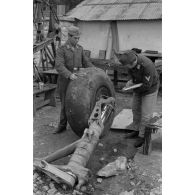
(49, 96)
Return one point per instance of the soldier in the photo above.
(70, 58)
(141, 70)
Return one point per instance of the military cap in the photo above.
(129, 56)
(74, 31)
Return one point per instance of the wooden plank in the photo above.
(87, 53)
(50, 95)
(102, 54)
(41, 104)
(47, 87)
(155, 55)
(46, 58)
(115, 78)
(38, 46)
(52, 71)
(147, 146)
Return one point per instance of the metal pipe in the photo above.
(106, 113)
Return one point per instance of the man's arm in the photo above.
(147, 80)
(85, 60)
(60, 62)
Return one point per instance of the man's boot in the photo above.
(139, 142)
(134, 127)
(60, 129)
(131, 135)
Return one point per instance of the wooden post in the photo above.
(102, 54)
(147, 146)
(50, 95)
(46, 58)
(87, 53)
(115, 77)
(115, 46)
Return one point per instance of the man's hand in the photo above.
(73, 77)
(129, 83)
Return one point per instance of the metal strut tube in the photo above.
(90, 138)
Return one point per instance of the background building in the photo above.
(119, 24)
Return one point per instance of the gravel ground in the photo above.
(143, 175)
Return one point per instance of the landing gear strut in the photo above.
(75, 172)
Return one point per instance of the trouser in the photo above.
(63, 85)
(63, 118)
(142, 108)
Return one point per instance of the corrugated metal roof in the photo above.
(90, 10)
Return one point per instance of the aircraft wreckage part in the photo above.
(104, 108)
(81, 96)
(62, 152)
(75, 173)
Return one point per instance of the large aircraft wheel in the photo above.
(82, 95)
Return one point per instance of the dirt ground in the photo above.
(146, 178)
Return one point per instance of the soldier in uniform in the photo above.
(141, 70)
(70, 58)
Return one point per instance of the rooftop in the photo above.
(101, 10)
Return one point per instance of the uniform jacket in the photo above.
(68, 58)
(145, 72)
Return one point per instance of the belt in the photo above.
(77, 68)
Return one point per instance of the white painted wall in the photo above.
(94, 36)
(145, 35)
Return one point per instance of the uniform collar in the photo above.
(138, 66)
(70, 46)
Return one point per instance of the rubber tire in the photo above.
(81, 97)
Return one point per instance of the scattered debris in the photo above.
(160, 180)
(51, 185)
(156, 191)
(38, 193)
(75, 192)
(144, 173)
(113, 168)
(45, 188)
(83, 188)
(127, 193)
(121, 163)
(58, 193)
(138, 183)
(99, 180)
(64, 187)
(35, 176)
(132, 183)
(132, 165)
(100, 144)
(131, 176)
(115, 150)
(52, 191)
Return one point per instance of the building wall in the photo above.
(145, 35)
(94, 36)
